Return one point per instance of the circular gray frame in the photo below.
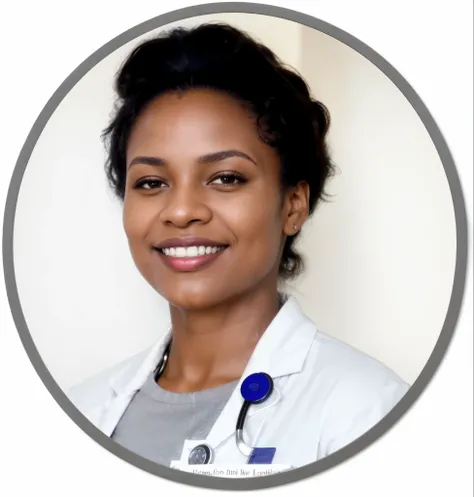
(459, 277)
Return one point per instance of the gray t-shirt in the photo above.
(157, 422)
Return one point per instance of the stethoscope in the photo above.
(255, 389)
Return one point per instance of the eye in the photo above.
(228, 179)
(149, 184)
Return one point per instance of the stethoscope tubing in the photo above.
(249, 390)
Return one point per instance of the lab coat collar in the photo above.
(134, 376)
(281, 350)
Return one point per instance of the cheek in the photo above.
(257, 222)
(137, 217)
(257, 225)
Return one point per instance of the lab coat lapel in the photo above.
(280, 352)
(127, 382)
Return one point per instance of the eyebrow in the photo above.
(203, 159)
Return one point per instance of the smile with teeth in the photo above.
(193, 251)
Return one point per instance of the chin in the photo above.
(192, 302)
(193, 298)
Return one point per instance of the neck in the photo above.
(213, 346)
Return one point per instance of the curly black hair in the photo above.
(223, 58)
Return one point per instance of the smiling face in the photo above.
(199, 175)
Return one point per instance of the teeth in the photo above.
(190, 251)
(180, 252)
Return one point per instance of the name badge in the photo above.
(231, 471)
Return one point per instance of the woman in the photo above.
(219, 154)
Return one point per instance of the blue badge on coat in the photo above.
(262, 455)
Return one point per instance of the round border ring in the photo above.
(457, 294)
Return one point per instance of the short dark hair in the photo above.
(221, 57)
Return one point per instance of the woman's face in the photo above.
(203, 208)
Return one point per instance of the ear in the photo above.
(296, 208)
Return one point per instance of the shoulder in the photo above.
(358, 390)
(336, 366)
(95, 389)
(351, 367)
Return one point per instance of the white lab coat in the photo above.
(326, 394)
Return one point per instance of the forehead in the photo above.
(197, 121)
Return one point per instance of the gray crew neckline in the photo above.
(155, 391)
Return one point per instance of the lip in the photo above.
(187, 264)
(188, 241)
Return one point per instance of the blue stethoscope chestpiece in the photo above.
(201, 454)
(256, 388)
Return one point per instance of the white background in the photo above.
(430, 450)
(379, 254)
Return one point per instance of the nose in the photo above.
(185, 205)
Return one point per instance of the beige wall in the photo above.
(382, 254)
